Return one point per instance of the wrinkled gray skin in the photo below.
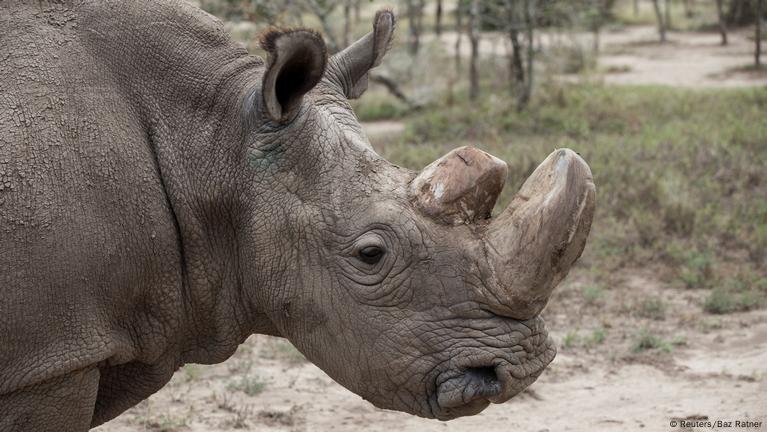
(157, 207)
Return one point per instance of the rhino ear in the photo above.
(349, 68)
(297, 60)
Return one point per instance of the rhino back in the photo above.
(89, 255)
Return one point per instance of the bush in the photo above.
(646, 340)
(592, 294)
(598, 336)
(735, 294)
(250, 385)
(571, 58)
(652, 308)
(696, 271)
(379, 106)
(720, 302)
(570, 339)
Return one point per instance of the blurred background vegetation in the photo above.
(681, 171)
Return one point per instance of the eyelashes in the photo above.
(370, 254)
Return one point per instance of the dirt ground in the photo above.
(714, 367)
(633, 55)
(688, 60)
(706, 367)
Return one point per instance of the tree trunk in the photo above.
(595, 23)
(659, 18)
(636, 8)
(736, 12)
(668, 15)
(322, 11)
(524, 97)
(741, 12)
(458, 37)
(758, 34)
(722, 21)
(329, 35)
(412, 29)
(604, 7)
(414, 15)
(347, 21)
(438, 18)
(595, 40)
(517, 70)
(474, 39)
(688, 12)
(357, 7)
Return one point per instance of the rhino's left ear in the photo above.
(297, 60)
(349, 68)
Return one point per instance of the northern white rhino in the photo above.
(164, 195)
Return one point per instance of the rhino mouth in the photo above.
(493, 377)
(470, 392)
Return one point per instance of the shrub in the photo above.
(697, 270)
(378, 106)
(570, 339)
(735, 294)
(248, 384)
(646, 340)
(719, 302)
(652, 308)
(592, 294)
(598, 336)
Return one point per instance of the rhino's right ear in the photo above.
(349, 68)
(297, 60)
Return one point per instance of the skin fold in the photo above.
(164, 195)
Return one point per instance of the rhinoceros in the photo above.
(164, 195)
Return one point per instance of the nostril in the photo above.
(484, 381)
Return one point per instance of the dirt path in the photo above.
(383, 129)
(633, 54)
(688, 60)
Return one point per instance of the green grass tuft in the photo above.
(593, 294)
(652, 308)
(646, 340)
(378, 105)
(598, 336)
(248, 384)
(570, 339)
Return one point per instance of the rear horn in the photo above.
(460, 187)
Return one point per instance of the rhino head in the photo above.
(400, 285)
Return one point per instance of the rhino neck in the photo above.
(186, 80)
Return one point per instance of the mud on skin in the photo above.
(168, 195)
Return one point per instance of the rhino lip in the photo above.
(467, 392)
(468, 389)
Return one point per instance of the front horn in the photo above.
(537, 239)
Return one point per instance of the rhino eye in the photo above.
(370, 254)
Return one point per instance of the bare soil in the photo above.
(634, 55)
(379, 130)
(688, 59)
(708, 367)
